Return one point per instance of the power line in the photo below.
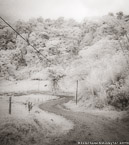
(38, 52)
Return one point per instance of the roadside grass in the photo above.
(20, 132)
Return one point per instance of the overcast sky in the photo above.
(77, 9)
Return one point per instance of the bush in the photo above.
(118, 97)
(19, 134)
(99, 103)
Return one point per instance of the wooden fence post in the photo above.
(76, 91)
(38, 85)
(10, 104)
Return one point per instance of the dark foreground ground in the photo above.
(88, 127)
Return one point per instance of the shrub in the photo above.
(118, 97)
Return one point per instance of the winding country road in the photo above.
(87, 127)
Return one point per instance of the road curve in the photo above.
(88, 127)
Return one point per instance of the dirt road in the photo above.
(87, 127)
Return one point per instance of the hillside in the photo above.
(94, 52)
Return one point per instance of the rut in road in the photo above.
(87, 127)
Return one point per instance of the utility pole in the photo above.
(76, 92)
(10, 104)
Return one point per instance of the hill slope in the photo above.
(94, 52)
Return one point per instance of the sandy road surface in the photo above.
(87, 127)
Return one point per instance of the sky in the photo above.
(77, 9)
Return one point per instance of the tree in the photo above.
(7, 38)
(119, 15)
(119, 28)
(55, 75)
